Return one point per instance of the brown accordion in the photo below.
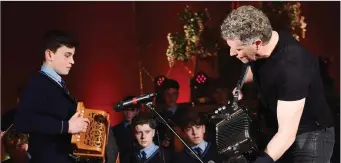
(92, 143)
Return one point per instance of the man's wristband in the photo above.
(264, 158)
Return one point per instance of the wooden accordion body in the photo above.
(92, 143)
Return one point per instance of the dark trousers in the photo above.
(311, 147)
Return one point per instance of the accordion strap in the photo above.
(240, 83)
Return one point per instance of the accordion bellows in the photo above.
(92, 143)
(234, 134)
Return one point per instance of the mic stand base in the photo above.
(162, 155)
(150, 106)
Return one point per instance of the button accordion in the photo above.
(236, 134)
(90, 145)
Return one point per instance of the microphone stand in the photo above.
(3, 133)
(162, 155)
(150, 106)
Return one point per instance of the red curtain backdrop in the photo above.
(115, 36)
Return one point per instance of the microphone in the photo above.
(140, 99)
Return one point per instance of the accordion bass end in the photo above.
(92, 143)
(236, 134)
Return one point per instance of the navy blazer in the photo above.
(209, 155)
(124, 138)
(43, 112)
(161, 155)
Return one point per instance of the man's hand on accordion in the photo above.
(78, 124)
(240, 94)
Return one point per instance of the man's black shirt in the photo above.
(292, 73)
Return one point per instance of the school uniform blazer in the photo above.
(43, 112)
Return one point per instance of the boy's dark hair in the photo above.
(55, 39)
(144, 118)
(170, 83)
(188, 118)
(13, 137)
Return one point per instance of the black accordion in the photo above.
(236, 134)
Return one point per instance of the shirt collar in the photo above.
(173, 109)
(150, 150)
(126, 124)
(202, 145)
(51, 73)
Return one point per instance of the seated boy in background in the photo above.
(146, 151)
(194, 131)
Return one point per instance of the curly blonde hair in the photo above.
(247, 24)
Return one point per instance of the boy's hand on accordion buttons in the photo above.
(240, 94)
(78, 124)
